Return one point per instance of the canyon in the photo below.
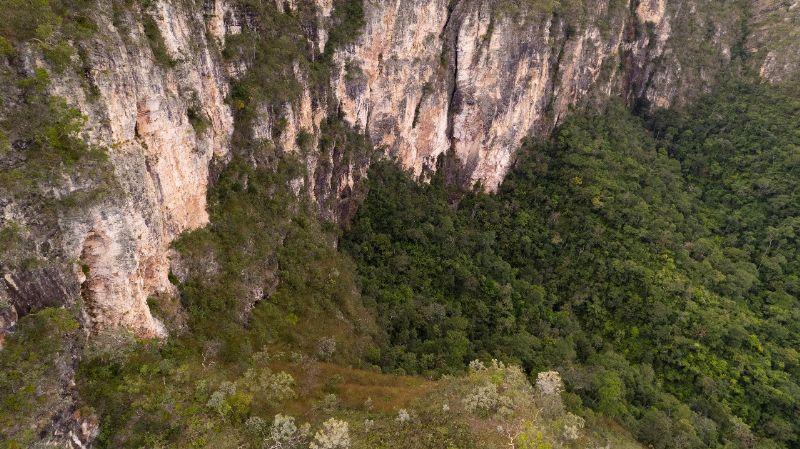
(424, 79)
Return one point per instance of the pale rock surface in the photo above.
(161, 163)
(424, 79)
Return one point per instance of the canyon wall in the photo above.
(138, 108)
(424, 77)
(470, 78)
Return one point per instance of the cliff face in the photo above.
(140, 109)
(425, 77)
(774, 41)
(160, 159)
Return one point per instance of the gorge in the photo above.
(127, 126)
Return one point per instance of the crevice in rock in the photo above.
(450, 45)
(93, 247)
(556, 55)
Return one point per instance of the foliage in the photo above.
(335, 434)
(40, 138)
(154, 37)
(281, 287)
(46, 24)
(282, 60)
(658, 273)
(33, 362)
(293, 257)
(270, 49)
(347, 22)
(40, 143)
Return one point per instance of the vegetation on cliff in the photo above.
(272, 346)
(36, 361)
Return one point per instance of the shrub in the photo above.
(227, 402)
(280, 386)
(548, 394)
(218, 404)
(197, 117)
(326, 348)
(329, 403)
(476, 366)
(348, 19)
(486, 400)
(156, 41)
(285, 434)
(30, 366)
(571, 427)
(403, 416)
(334, 434)
(368, 424)
(531, 438)
(256, 425)
(549, 383)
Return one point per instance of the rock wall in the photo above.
(426, 77)
(476, 79)
(160, 158)
(774, 41)
(139, 108)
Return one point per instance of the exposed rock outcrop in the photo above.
(774, 40)
(426, 77)
(142, 111)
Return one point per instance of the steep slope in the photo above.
(657, 274)
(476, 77)
(137, 105)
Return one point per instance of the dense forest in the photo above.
(654, 262)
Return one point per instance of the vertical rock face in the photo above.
(393, 84)
(774, 39)
(426, 77)
(143, 112)
(430, 76)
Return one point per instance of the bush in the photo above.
(334, 434)
(548, 393)
(486, 400)
(156, 40)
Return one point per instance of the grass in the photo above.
(354, 387)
